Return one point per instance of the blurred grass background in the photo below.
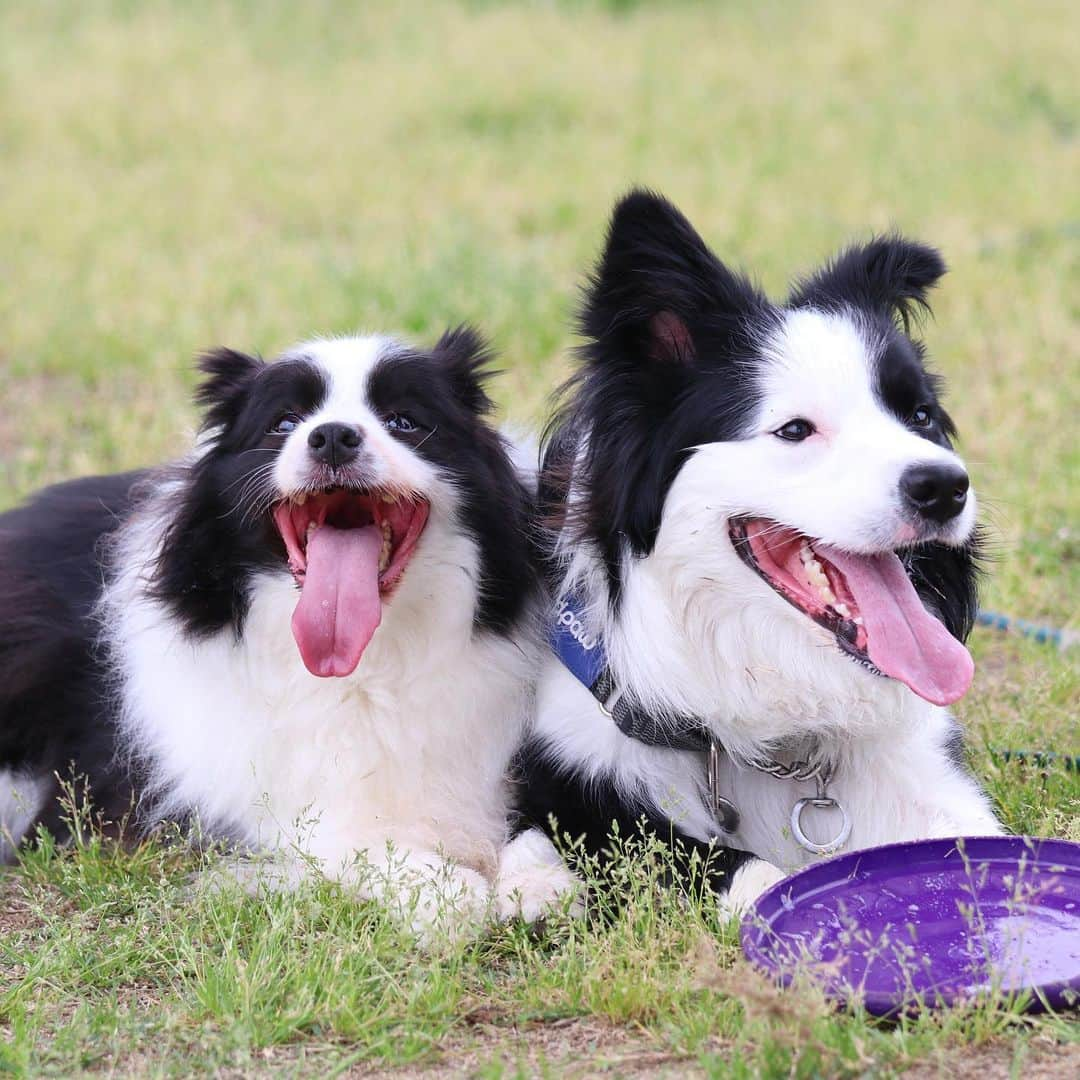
(175, 176)
(181, 175)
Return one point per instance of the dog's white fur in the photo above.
(699, 633)
(397, 769)
(21, 798)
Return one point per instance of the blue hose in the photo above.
(1044, 635)
(1042, 759)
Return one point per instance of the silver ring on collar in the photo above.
(821, 802)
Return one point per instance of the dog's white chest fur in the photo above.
(410, 751)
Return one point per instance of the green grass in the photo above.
(178, 176)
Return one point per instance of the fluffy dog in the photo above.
(311, 636)
(763, 556)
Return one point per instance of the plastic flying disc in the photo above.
(928, 923)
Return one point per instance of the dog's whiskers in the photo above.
(256, 493)
(247, 477)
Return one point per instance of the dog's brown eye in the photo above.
(922, 417)
(285, 424)
(795, 430)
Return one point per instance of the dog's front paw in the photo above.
(534, 881)
(538, 892)
(747, 884)
(451, 902)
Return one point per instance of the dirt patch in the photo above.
(577, 1049)
(16, 911)
(583, 1049)
(1036, 1059)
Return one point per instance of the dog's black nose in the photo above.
(335, 444)
(935, 492)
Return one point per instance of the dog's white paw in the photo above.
(534, 881)
(747, 884)
(542, 891)
(447, 903)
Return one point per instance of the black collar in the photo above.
(680, 733)
(583, 655)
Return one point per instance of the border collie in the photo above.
(764, 561)
(311, 637)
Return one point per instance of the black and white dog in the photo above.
(313, 635)
(763, 557)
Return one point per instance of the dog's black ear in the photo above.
(465, 356)
(227, 375)
(888, 274)
(658, 292)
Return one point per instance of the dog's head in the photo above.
(791, 456)
(352, 464)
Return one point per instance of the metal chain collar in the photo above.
(726, 814)
(799, 771)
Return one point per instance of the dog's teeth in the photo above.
(816, 573)
(300, 499)
(821, 583)
(387, 543)
(310, 529)
(387, 498)
(857, 620)
(842, 610)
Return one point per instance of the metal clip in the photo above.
(607, 706)
(723, 810)
(821, 801)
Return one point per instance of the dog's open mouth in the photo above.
(866, 601)
(347, 550)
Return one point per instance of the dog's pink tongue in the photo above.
(339, 606)
(904, 640)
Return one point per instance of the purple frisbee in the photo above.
(929, 923)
